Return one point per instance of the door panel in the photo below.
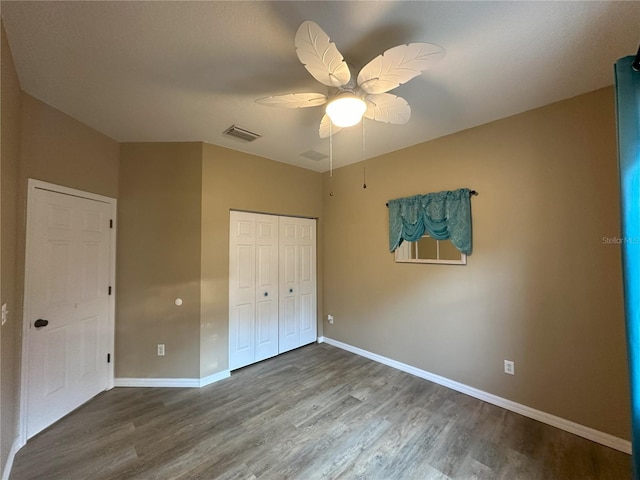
(253, 285)
(244, 336)
(289, 331)
(306, 264)
(287, 230)
(245, 228)
(91, 275)
(55, 350)
(267, 287)
(59, 216)
(266, 228)
(305, 231)
(68, 271)
(298, 283)
(89, 346)
(59, 281)
(245, 270)
(242, 289)
(264, 265)
(307, 319)
(263, 320)
(288, 266)
(307, 285)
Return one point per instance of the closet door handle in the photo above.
(266, 294)
(291, 290)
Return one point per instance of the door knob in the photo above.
(291, 290)
(266, 294)
(40, 323)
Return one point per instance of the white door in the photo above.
(266, 287)
(67, 305)
(297, 323)
(307, 281)
(253, 288)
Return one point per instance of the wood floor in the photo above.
(315, 412)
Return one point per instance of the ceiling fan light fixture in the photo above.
(346, 110)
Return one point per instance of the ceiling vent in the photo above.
(313, 155)
(241, 133)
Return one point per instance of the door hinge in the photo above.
(111, 223)
(108, 358)
(109, 289)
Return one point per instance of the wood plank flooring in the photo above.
(313, 413)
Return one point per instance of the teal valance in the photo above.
(442, 215)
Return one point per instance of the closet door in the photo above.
(253, 288)
(297, 282)
(266, 325)
(307, 284)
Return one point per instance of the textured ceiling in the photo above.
(185, 71)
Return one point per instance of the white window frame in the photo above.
(402, 255)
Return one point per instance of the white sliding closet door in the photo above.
(297, 323)
(253, 288)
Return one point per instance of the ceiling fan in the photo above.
(349, 97)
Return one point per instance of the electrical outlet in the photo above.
(330, 319)
(509, 367)
(161, 349)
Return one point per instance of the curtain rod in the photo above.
(636, 64)
(471, 193)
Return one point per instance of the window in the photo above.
(430, 250)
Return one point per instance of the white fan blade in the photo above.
(387, 108)
(294, 100)
(398, 65)
(320, 56)
(326, 128)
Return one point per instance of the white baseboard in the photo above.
(172, 382)
(561, 423)
(12, 454)
(216, 377)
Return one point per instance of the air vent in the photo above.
(313, 155)
(241, 133)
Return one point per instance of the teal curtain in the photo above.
(442, 215)
(628, 118)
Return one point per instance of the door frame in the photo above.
(33, 185)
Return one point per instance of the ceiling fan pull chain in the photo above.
(330, 158)
(364, 169)
(330, 149)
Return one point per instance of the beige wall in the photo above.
(158, 260)
(238, 181)
(540, 288)
(9, 156)
(173, 241)
(58, 149)
(38, 142)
